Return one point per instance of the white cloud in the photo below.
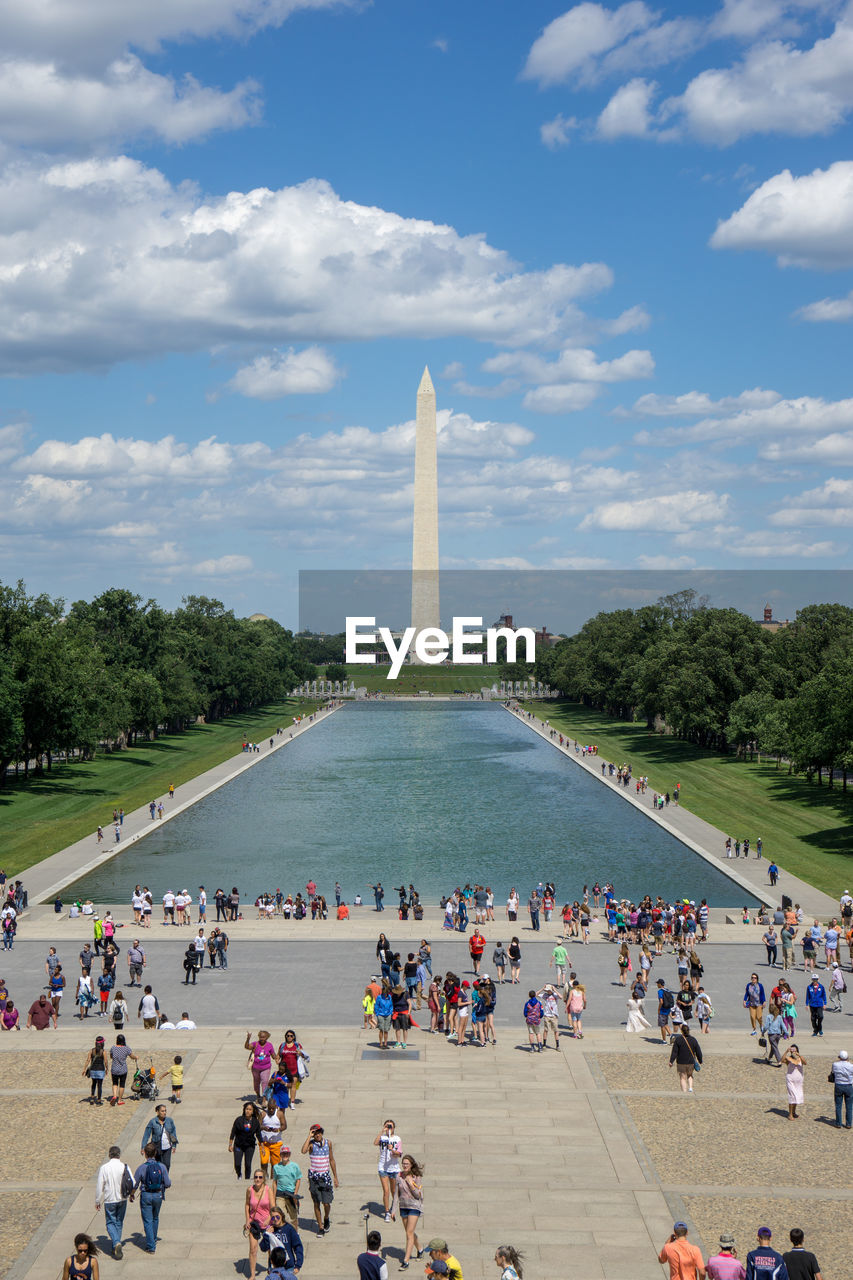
(695, 403)
(287, 373)
(836, 310)
(561, 398)
(835, 449)
(794, 417)
(44, 106)
(668, 513)
(574, 364)
(82, 243)
(570, 46)
(770, 545)
(224, 566)
(557, 133)
(634, 320)
(665, 562)
(776, 88)
(807, 221)
(453, 370)
(627, 113)
(831, 504)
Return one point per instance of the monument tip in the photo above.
(425, 385)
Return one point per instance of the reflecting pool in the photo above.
(432, 793)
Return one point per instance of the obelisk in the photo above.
(425, 610)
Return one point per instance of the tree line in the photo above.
(112, 668)
(717, 678)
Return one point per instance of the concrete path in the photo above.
(50, 876)
(698, 835)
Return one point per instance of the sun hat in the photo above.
(438, 1244)
(727, 1240)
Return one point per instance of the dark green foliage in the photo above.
(118, 666)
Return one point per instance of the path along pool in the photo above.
(434, 794)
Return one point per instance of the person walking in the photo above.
(686, 1053)
(96, 1070)
(533, 905)
(282, 1238)
(816, 1003)
(390, 1154)
(152, 1181)
(160, 1131)
(110, 1193)
(753, 1002)
(385, 956)
(841, 1074)
(119, 1055)
(771, 942)
(83, 1262)
(322, 1175)
(795, 1065)
(56, 984)
(773, 1028)
(837, 988)
(514, 960)
(260, 1062)
(684, 1259)
(410, 1198)
(273, 1125)
(637, 1020)
(371, 1265)
(725, 1264)
(764, 1263)
(801, 1264)
(287, 1176)
(533, 1014)
(136, 962)
(575, 1006)
(244, 1136)
(257, 1207)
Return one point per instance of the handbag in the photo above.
(762, 1042)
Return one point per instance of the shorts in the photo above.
(663, 1017)
(119, 1080)
(551, 1024)
(402, 1022)
(136, 971)
(321, 1192)
(149, 1023)
(410, 1213)
(270, 1150)
(685, 1068)
(383, 1021)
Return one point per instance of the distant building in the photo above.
(768, 623)
(544, 637)
(258, 617)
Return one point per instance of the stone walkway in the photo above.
(50, 876)
(698, 835)
(540, 1151)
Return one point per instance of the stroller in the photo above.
(144, 1084)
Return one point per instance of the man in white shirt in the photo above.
(200, 944)
(168, 907)
(109, 1195)
(202, 904)
(148, 1009)
(186, 1023)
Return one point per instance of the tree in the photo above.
(336, 671)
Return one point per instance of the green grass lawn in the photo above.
(441, 679)
(50, 811)
(807, 829)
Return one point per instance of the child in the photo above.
(105, 986)
(176, 1071)
(745, 916)
(367, 1005)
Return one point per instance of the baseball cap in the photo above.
(727, 1240)
(438, 1244)
(439, 1267)
(680, 1226)
(466, 983)
(843, 1055)
(287, 1149)
(765, 1231)
(485, 977)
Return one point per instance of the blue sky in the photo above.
(234, 231)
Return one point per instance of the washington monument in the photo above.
(425, 610)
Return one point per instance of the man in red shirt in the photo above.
(476, 945)
(40, 1014)
(685, 1260)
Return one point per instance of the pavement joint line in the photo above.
(799, 889)
(641, 1152)
(240, 765)
(752, 1193)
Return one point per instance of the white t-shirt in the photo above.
(167, 1026)
(185, 1024)
(168, 899)
(182, 900)
(136, 901)
(148, 1007)
(389, 1157)
(199, 942)
(202, 899)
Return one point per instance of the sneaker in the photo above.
(404, 1266)
(321, 1232)
(387, 1216)
(117, 1251)
(753, 1033)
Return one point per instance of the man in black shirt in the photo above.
(801, 1264)
(687, 1055)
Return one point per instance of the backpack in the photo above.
(666, 1000)
(126, 1183)
(118, 1016)
(152, 1178)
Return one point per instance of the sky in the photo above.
(233, 232)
